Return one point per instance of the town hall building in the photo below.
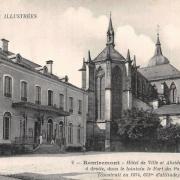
(36, 105)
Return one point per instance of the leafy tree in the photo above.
(138, 125)
(169, 133)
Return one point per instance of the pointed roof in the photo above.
(134, 61)
(83, 66)
(158, 57)
(109, 52)
(89, 56)
(158, 50)
(110, 27)
(128, 58)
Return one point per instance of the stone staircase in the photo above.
(47, 149)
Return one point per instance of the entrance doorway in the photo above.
(49, 130)
(37, 130)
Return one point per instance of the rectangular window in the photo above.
(61, 101)
(23, 91)
(79, 134)
(70, 133)
(50, 98)
(71, 104)
(38, 95)
(79, 107)
(6, 128)
(8, 86)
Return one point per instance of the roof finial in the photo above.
(110, 28)
(158, 40)
(128, 56)
(83, 66)
(110, 33)
(158, 28)
(89, 56)
(134, 61)
(158, 50)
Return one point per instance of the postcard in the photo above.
(89, 89)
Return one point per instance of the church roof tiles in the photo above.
(164, 71)
(110, 52)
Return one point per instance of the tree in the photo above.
(169, 133)
(138, 125)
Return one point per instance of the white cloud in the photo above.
(171, 36)
(65, 37)
(140, 45)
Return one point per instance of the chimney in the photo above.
(49, 64)
(5, 45)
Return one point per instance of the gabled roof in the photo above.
(172, 109)
(109, 52)
(164, 71)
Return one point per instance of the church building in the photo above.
(115, 83)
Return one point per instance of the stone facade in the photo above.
(114, 84)
(35, 102)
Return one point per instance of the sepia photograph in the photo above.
(89, 89)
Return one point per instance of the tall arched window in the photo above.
(50, 130)
(6, 125)
(50, 98)
(23, 91)
(100, 93)
(7, 86)
(165, 91)
(38, 95)
(173, 93)
(116, 93)
(70, 133)
(61, 130)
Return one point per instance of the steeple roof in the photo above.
(110, 34)
(89, 56)
(158, 57)
(110, 27)
(109, 52)
(128, 56)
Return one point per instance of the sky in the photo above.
(65, 30)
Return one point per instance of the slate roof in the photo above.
(111, 52)
(25, 61)
(164, 71)
(172, 109)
